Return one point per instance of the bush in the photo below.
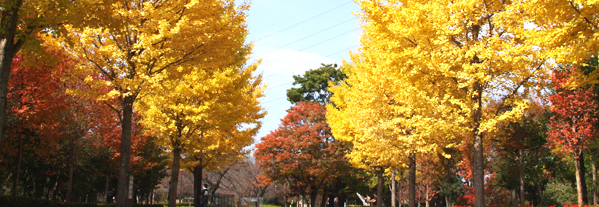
(9, 201)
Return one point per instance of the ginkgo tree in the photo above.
(135, 41)
(387, 128)
(457, 56)
(566, 32)
(212, 109)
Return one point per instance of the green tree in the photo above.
(314, 84)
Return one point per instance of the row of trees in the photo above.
(533, 160)
(430, 74)
(127, 83)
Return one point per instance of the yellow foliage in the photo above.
(180, 63)
(566, 32)
(424, 72)
(135, 41)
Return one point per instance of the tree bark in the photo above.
(521, 175)
(583, 170)
(18, 170)
(106, 189)
(393, 192)
(478, 157)
(448, 197)
(197, 179)
(580, 181)
(197, 183)
(313, 196)
(123, 182)
(412, 179)
(594, 182)
(172, 192)
(379, 187)
(8, 50)
(71, 166)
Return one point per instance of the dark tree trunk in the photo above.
(123, 182)
(393, 190)
(313, 196)
(449, 195)
(580, 181)
(323, 198)
(197, 182)
(478, 157)
(8, 50)
(71, 166)
(379, 187)
(106, 189)
(172, 191)
(583, 170)
(594, 182)
(521, 175)
(198, 198)
(412, 179)
(18, 170)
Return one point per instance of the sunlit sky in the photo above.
(293, 36)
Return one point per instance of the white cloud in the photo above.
(278, 68)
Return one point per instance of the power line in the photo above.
(303, 21)
(353, 30)
(304, 65)
(319, 43)
(305, 37)
(274, 100)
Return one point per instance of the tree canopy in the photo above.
(314, 84)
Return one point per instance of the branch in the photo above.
(578, 11)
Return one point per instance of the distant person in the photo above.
(204, 194)
(373, 200)
(336, 202)
(331, 199)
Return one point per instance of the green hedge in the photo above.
(9, 201)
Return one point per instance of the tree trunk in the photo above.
(400, 190)
(448, 197)
(478, 157)
(583, 170)
(379, 187)
(106, 188)
(313, 196)
(412, 180)
(123, 182)
(427, 196)
(324, 197)
(579, 177)
(393, 188)
(18, 170)
(71, 166)
(198, 197)
(521, 175)
(172, 192)
(197, 183)
(594, 182)
(8, 50)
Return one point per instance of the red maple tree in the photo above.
(572, 125)
(301, 152)
(45, 121)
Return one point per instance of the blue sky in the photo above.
(293, 36)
